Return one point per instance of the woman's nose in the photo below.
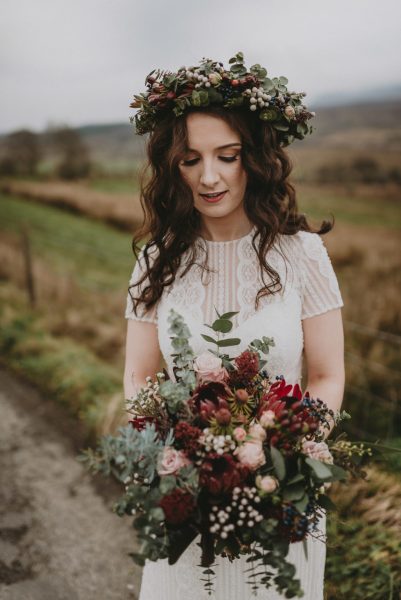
(209, 175)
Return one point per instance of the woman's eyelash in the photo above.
(193, 161)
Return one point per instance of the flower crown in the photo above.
(211, 84)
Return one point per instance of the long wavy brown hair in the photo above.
(171, 222)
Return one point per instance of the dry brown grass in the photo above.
(120, 210)
(377, 499)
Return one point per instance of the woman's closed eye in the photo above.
(193, 161)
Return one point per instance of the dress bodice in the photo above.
(309, 288)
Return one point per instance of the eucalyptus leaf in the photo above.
(301, 504)
(278, 462)
(167, 484)
(222, 325)
(229, 342)
(209, 339)
(228, 315)
(294, 492)
(298, 477)
(321, 470)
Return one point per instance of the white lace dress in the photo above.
(310, 288)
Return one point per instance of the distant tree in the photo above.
(367, 170)
(21, 153)
(75, 161)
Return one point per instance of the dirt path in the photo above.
(59, 539)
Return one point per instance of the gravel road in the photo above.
(59, 539)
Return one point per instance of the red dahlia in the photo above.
(187, 437)
(221, 473)
(177, 506)
(247, 366)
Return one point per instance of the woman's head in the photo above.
(185, 160)
(212, 168)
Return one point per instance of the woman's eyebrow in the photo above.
(220, 147)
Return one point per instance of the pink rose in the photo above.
(239, 434)
(289, 111)
(257, 432)
(209, 368)
(251, 455)
(171, 460)
(317, 450)
(266, 484)
(267, 419)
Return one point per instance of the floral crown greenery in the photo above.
(211, 84)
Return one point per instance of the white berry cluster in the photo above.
(244, 500)
(241, 512)
(202, 80)
(258, 97)
(149, 392)
(135, 479)
(217, 443)
(219, 520)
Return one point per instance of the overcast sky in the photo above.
(80, 61)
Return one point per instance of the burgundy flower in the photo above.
(208, 398)
(247, 364)
(177, 506)
(139, 423)
(293, 418)
(247, 367)
(187, 437)
(221, 473)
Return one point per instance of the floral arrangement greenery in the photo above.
(224, 453)
(212, 84)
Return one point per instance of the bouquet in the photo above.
(225, 453)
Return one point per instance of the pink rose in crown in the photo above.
(209, 367)
(251, 455)
(171, 461)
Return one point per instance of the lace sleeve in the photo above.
(320, 289)
(141, 314)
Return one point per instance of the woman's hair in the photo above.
(171, 222)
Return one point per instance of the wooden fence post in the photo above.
(29, 277)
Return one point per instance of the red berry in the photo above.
(234, 82)
(170, 95)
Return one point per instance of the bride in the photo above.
(225, 233)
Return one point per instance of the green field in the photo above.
(99, 257)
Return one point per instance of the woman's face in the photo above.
(213, 166)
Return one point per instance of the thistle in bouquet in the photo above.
(227, 453)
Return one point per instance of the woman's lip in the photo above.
(215, 199)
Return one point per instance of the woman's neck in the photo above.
(222, 230)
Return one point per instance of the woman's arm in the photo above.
(142, 355)
(324, 352)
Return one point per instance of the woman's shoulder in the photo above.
(303, 245)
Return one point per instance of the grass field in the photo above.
(98, 256)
